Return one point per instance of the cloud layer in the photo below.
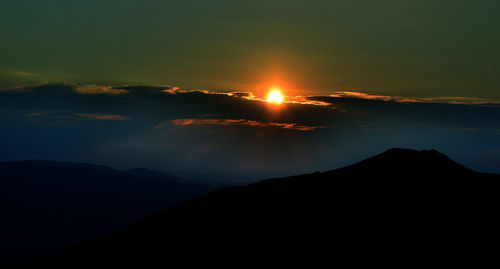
(234, 132)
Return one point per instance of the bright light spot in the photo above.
(275, 97)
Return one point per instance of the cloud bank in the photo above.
(234, 132)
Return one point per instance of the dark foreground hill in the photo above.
(47, 205)
(401, 205)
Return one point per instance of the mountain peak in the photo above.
(400, 160)
(404, 151)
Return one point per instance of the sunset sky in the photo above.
(181, 86)
(406, 48)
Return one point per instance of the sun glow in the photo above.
(275, 97)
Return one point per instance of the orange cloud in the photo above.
(242, 122)
(304, 101)
(241, 94)
(250, 96)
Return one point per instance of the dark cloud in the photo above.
(146, 90)
(402, 99)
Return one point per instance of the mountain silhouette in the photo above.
(401, 205)
(48, 205)
(148, 173)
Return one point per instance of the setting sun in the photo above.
(275, 97)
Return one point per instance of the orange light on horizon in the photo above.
(275, 97)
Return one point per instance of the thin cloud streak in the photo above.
(102, 116)
(241, 122)
(361, 95)
(99, 89)
(401, 99)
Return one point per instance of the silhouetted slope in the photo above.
(395, 166)
(48, 205)
(399, 204)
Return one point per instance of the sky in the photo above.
(407, 48)
(180, 86)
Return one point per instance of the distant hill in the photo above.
(400, 206)
(148, 173)
(48, 205)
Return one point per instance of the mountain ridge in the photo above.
(351, 208)
(148, 173)
(47, 205)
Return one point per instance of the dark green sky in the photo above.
(410, 48)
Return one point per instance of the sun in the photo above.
(275, 97)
